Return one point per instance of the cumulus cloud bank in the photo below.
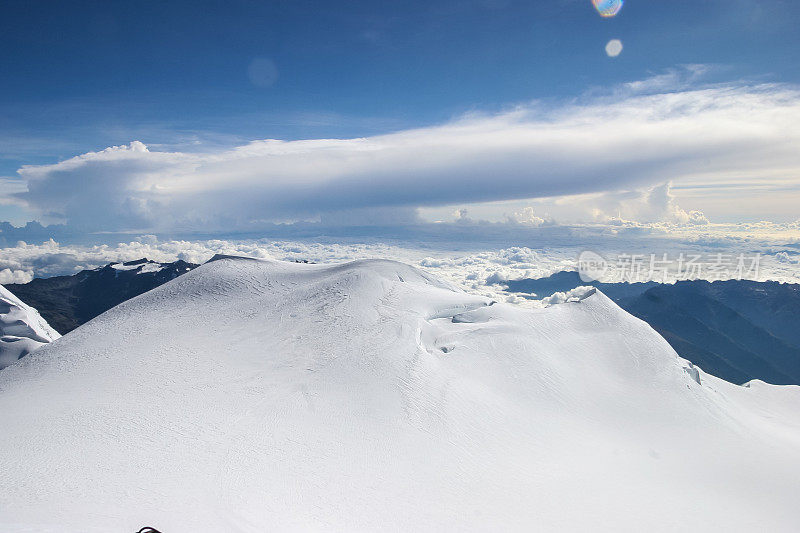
(474, 256)
(653, 204)
(625, 140)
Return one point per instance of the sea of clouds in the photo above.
(478, 265)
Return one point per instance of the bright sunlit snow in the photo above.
(256, 395)
(22, 330)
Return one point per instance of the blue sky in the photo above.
(209, 76)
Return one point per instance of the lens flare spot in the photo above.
(613, 47)
(607, 8)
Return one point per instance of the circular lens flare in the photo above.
(607, 8)
(614, 47)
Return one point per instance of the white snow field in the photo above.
(252, 395)
(22, 329)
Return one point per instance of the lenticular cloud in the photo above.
(628, 140)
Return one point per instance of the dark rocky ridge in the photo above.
(66, 302)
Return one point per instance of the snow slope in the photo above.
(22, 330)
(258, 396)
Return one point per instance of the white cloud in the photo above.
(9, 187)
(588, 146)
(15, 276)
(669, 81)
(482, 266)
(649, 205)
(527, 217)
(575, 295)
(653, 204)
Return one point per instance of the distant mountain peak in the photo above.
(141, 261)
(221, 257)
(69, 301)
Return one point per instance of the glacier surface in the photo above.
(22, 329)
(252, 395)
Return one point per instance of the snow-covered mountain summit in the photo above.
(22, 329)
(251, 395)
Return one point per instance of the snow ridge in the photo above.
(22, 329)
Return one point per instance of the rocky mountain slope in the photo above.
(66, 302)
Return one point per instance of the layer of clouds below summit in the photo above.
(723, 137)
(480, 268)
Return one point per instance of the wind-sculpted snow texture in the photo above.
(22, 329)
(255, 396)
